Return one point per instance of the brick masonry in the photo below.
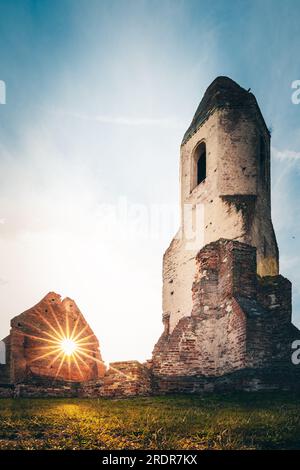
(34, 342)
(30, 372)
(128, 378)
(239, 321)
(238, 337)
(122, 379)
(235, 195)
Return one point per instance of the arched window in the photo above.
(199, 165)
(263, 158)
(2, 353)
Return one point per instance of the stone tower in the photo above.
(226, 309)
(224, 190)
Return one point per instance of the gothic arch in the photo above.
(199, 170)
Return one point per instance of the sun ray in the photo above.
(69, 366)
(80, 333)
(45, 355)
(84, 338)
(121, 373)
(38, 348)
(67, 324)
(39, 338)
(77, 355)
(77, 365)
(48, 323)
(56, 358)
(89, 356)
(80, 348)
(57, 322)
(60, 366)
(29, 325)
(74, 328)
(87, 344)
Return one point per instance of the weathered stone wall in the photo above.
(34, 343)
(31, 349)
(269, 335)
(6, 390)
(238, 320)
(235, 194)
(122, 379)
(47, 390)
(40, 387)
(4, 374)
(249, 380)
(128, 378)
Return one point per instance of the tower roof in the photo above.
(222, 92)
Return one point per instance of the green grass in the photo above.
(236, 421)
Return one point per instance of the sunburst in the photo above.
(68, 346)
(63, 345)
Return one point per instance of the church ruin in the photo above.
(226, 308)
(42, 343)
(52, 351)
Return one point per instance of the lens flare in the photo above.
(64, 345)
(68, 346)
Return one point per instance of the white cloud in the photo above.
(290, 155)
(164, 122)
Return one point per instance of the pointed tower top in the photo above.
(222, 92)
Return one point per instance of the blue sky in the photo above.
(99, 94)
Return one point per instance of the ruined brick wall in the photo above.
(238, 320)
(35, 343)
(286, 378)
(5, 368)
(270, 335)
(46, 388)
(212, 340)
(6, 390)
(4, 374)
(235, 194)
(237, 337)
(122, 379)
(32, 371)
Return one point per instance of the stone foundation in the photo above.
(6, 390)
(122, 379)
(247, 380)
(239, 322)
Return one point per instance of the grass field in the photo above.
(244, 421)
